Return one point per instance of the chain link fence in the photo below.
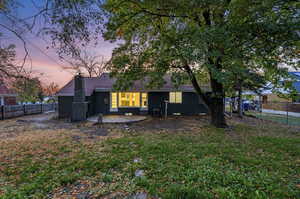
(280, 112)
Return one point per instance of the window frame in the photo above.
(130, 100)
(111, 99)
(118, 100)
(141, 98)
(177, 101)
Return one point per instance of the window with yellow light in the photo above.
(175, 97)
(129, 99)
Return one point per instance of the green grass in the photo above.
(210, 163)
(295, 121)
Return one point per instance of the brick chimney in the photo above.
(79, 106)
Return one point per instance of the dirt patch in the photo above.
(261, 123)
(14, 127)
(170, 124)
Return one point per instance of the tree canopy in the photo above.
(187, 37)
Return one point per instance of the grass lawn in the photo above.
(277, 118)
(188, 161)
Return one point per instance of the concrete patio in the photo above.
(117, 119)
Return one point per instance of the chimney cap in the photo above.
(79, 74)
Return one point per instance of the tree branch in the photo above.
(196, 86)
(157, 14)
(23, 41)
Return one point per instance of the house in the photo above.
(296, 84)
(270, 96)
(7, 96)
(96, 95)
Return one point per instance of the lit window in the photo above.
(114, 100)
(128, 99)
(175, 97)
(144, 100)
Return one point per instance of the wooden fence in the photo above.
(7, 112)
(282, 106)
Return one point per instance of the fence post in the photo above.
(24, 109)
(2, 112)
(261, 110)
(41, 107)
(287, 113)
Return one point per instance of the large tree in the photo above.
(174, 36)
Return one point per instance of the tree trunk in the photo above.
(232, 105)
(240, 103)
(217, 113)
(217, 105)
(197, 86)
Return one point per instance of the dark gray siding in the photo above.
(91, 105)
(156, 100)
(191, 104)
(101, 102)
(65, 106)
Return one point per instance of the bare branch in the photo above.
(21, 38)
(92, 64)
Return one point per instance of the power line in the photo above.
(44, 53)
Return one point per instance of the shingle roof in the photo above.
(4, 90)
(105, 83)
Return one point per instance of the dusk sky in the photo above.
(44, 61)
